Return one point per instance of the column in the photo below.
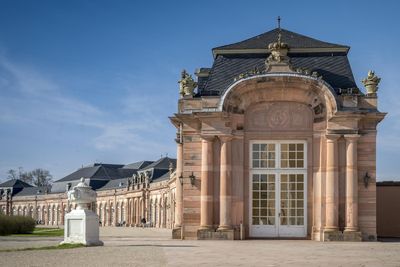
(206, 182)
(109, 213)
(138, 208)
(159, 213)
(115, 216)
(35, 213)
(63, 213)
(332, 182)
(179, 187)
(46, 216)
(144, 207)
(351, 183)
(128, 212)
(225, 184)
(133, 209)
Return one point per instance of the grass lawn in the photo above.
(44, 232)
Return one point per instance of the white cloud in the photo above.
(31, 97)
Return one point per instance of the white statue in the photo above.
(82, 224)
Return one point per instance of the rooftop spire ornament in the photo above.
(279, 23)
(278, 51)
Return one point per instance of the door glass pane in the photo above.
(263, 192)
(263, 155)
(292, 155)
(292, 199)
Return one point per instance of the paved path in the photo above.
(153, 247)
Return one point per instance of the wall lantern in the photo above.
(366, 179)
(192, 179)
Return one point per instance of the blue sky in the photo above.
(95, 81)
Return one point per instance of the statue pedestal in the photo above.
(82, 226)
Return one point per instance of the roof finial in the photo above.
(279, 23)
(279, 30)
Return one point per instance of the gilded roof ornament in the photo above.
(371, 83)
(278, 56)
(186, 84)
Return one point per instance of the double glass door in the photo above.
(277, 189)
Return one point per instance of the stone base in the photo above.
(352, 236)
(211, 234)
(82, 227)
(332, 235)
(177, 233)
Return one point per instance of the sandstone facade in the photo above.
(120, 202)
(282, 144)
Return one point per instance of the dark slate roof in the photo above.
(99, 176)
(61, 186)
(138, 165)
(294, 40)
(99, 171)
(89, 171)
(160, 175)
(162, 163)
(31, 191)
(335, 70)
(112, 184)
(245, 56)
(15, 183)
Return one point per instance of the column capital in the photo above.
(225, 138)
(332, 137)
(207, 138)
(351, 137)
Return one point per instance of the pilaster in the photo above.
(331, 195)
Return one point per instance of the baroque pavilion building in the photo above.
(278, 141)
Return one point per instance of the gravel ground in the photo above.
(153, 247)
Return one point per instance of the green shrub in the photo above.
(16, 225)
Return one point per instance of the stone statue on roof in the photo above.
(371, 82)
(278, 60)
(186, 84)
(278, 50)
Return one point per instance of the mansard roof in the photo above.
(15, 183)
(138, 165)
(294, 40)
(116, 183)
(99, 171)
(162, 163)
(328, 59)
(29, 191)
(159, 171)
(99, 176)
